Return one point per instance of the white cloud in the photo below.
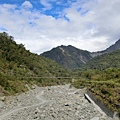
(46, 4)
(94, 30)
(27, 4)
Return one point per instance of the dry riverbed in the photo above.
(50, 103)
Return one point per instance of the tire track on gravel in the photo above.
(39, 97)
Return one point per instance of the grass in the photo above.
(108, 91)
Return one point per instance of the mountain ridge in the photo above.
(112, 48)
(68, 56)
(73, 58)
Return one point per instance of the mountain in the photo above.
(68, 56)
(19, 66)
(74, 58)
(112, 48)
(105, 61)
(107, 58)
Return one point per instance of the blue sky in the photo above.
(43, 24)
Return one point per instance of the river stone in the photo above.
(1, 104)
(95, 118)
(2, 98)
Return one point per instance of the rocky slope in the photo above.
(51, 103)
(112, 48)
(68, 56)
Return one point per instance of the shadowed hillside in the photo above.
(68, 56)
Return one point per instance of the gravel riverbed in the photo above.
(50, 103)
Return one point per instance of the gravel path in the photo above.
(50, 103)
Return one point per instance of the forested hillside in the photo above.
(105, 61)
(17, 65)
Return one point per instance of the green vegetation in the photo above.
(105, 85)
(105, 61)
(101, 75)
(19, 66)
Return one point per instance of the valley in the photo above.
(19, 67)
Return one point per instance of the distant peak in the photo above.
(117, 41)
(66, 46)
